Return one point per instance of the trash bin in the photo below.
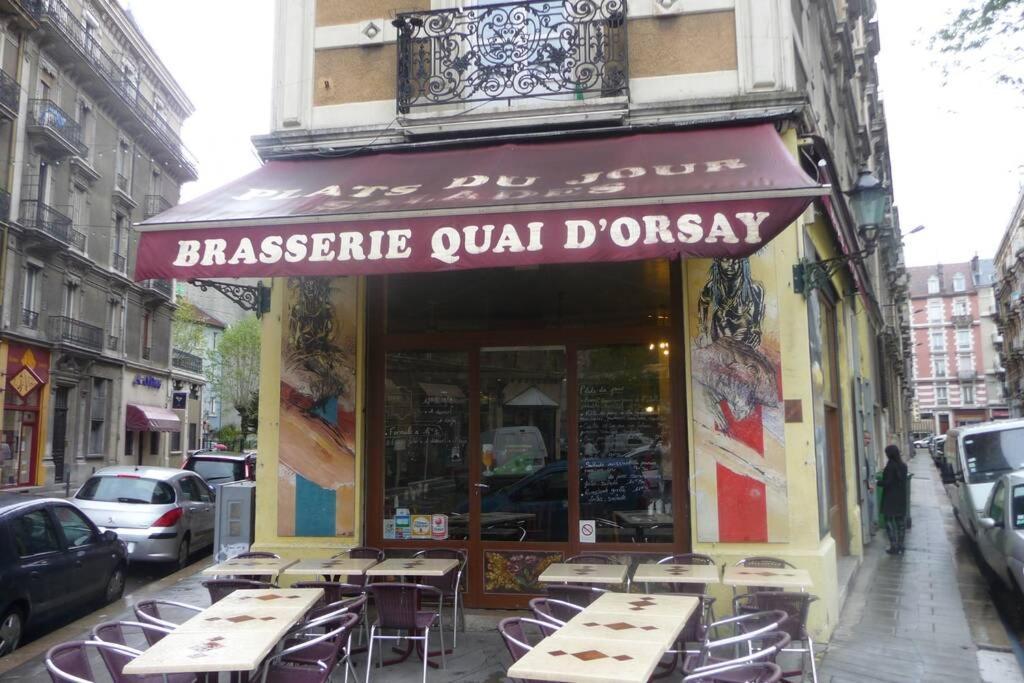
(878, 499)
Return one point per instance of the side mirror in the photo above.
(988, 523)
(109, 536)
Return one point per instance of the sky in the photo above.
(957, 147)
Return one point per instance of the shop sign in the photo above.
(147, 381)
(25, 382)
(179, 400)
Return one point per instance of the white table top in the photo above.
(677, 573)
(250, 566)
(640, 604)
(584, 573)
(799, 579)
(413, 566)
(640, 628)
(588, 660)
(332, 567)
(236, 634)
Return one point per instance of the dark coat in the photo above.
(894, 489)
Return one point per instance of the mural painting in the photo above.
(316, 463)
(737, 409)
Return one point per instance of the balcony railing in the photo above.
(147, 352)
(161, 287)
(962, 320)
(10, 93)
(119, 262)
(29, 318)
(43, 217)
(511, 51)
(77, 239)
(57, 14)
(969, 373)
(47, 115)
(155, 204)
(187, 361)
(65, 329)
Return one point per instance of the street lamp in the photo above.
(868, 200)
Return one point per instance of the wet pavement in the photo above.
(923, 616)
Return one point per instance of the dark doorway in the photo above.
(60, 428)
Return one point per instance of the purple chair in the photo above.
(69, 663)
(256, 554)
(333, 590)
(758, 632)
(764, 562)
(158, 612)
(763, 672)
(313, 656)
(590, 558)
(581, 596)
(398, 609)
(687, 559)
(554, 611)
(222, 588)
(363, 552)
(796, 606)
(116, 633)
(450, 584)
(694, 631)
(516, 639)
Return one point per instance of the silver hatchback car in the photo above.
(162, 514)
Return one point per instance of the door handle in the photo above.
(482, 486)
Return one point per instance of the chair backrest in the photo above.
(117, 632)
(795, 605)
(764, 562)
(450, 582)
(581, 596)
(687, 558)
(516, 638)
(256, 554)
(764, 647)
(398, 603)
(222, 588)
(159, 612)
(696, 628)
(337, 633)
(333, 590)
(590, 558)
(366, 552)
(555, 611)
(69, 662)
(356, 606)
(762, 672)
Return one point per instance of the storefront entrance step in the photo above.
(487, 619)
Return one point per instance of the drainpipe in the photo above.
(11, 139)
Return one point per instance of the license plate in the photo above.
(131, 547)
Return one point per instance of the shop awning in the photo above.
(721, 192)
(142, 418)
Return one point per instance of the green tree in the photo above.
(990, 33)
(235, 370)
(187, 330)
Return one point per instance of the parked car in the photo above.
(1001, 530)
(161, 513)
(926, 442)
(975, 457)
(937, 449)
(216, 467)
(53, 559)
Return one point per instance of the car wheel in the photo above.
(184, 552)
(11, 627)
(115, 586)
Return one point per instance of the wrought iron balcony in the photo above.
(155, 204)
(566, 48)
(29, 319)
(46, 219)
(65, 329)
(967, 373)
(57, 129)
(119, 263)
(963, 319)
(187, 361)
(72, 41)
(161, 288)
(77, 239)
(10, 95)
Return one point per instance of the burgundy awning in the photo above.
(141, 418)
(702, 193)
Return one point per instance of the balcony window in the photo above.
(98, 417)
(960, 307)
(30, 296)
(963, 340)
(933, 284)
(959, 283)
(967, 394)
(935, 311)
(938, 341)
(70, 299)
(941, 396)
(939, 368)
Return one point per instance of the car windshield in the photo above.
(126, 489)
(218, 471)
(989, 454)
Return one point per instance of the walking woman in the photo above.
(894, 499)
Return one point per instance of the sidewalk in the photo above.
(925, 616)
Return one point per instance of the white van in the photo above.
(975, 457)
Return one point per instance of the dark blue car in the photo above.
(52, 560)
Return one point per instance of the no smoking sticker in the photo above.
(588, 531)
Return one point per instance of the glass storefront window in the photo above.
(524, 445)
(625, 458)
(16, 447)
(426, 431)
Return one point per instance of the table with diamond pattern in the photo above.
(413, 566)
(677, 573)
(235, 634)
(786, 578)
(584, 573)
(620, 637)
(338, 566)
(250, 566)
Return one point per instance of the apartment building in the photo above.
(956, 365)
(1009, 296)
(90, 144)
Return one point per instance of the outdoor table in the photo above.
(639, 604)
(235, 634)
(786, 578)
(588, 660)
(413, 566)
(250, 566)
(677, 573)
(562, 572)
(640, 520)
(640, 628)
(338, 566)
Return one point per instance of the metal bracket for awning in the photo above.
(246, 297)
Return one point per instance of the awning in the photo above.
(141, 418)
(703, 193)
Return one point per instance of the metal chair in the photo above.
(116, 633)
(555, 611)
(69, 663)
(398, 608)
(313, 657)
(516, 639)
(686, 559)
(364, 552)
(157, 612)
(222, 588)
(590, 558)
(748, 629)
(581, 596)
(797, 606)
(256, 554)
(333, 590)
(450, 584)
(763, 562)
(762, 672)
